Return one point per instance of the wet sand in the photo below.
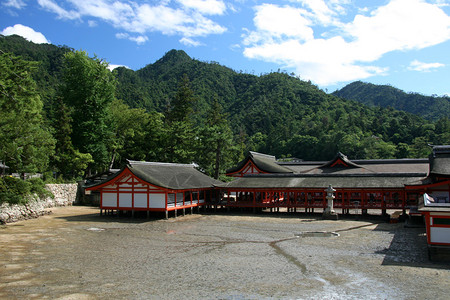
(74, 253)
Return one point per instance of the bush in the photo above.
(18, 191)
(14, 191)
(38, 188)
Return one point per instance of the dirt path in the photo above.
(76, 254)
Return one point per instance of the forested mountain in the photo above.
(181, 109)
(50, 58)
(280, 114)
(429, 107)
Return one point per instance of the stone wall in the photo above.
(65, 194)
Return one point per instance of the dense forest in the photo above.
(429, 107)
(63, 113)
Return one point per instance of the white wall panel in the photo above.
(157, 200)
(125, 200)
(140, 200)
(109, 199)
(439, 235)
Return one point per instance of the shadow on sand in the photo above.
(409, 247)
(123, 217)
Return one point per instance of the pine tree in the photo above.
(216, 140)
(181, 138)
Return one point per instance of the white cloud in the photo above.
(17, 4)
(400, 25)
(26, 32)
(122, 35)
(416, 65)
(92, 23)
(112, 67)
(344, 50)
(442, 3)
(274, 21)
(207, 7)
(61, 12)
(188, 19)
(138, 39)
(190, 42)
(321, 12)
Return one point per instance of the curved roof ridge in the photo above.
(154, 163)
(343, 158)
(253, 154)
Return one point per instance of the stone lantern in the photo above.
(329, 212)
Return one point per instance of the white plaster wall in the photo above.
(125, 200)
(157, 200)
(440, 235)
(140, 200)
(109, 199)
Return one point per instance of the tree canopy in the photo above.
(25, 143)
(88, 88)
(180, 109)
(429, 107)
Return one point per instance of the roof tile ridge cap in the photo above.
(155, 163)
(252, 153)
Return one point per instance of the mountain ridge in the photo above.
(429, 107)
(274, 113)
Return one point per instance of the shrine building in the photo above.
(153, 186)
(263, 182)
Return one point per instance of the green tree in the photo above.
(88, 89)
(181, 134)
(181, 107)
(216, 140)
(136, 134)
(442, 131)
(25, 142)
(68, 162)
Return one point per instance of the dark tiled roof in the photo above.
(324, 180)
(440, 161)
(404, 165)
(343, 158)
(264, 162)
(100, 177)
(340, 164)
(172, 176)
(168, 175)
(440, 166)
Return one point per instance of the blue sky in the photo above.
(404, 43)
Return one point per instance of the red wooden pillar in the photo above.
(404, 202)
(132, 196)
(118, 196)
(324, 200)
(363, 202)
(167, 212)
(148, 197)
(175, 200)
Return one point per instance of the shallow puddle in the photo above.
(317, 234)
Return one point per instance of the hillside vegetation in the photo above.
(179, 109)
(429, 107)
